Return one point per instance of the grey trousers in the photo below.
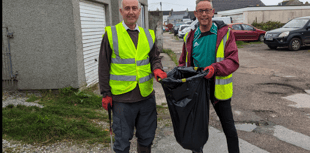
(127, 116)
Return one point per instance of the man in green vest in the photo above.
(128, 60)
(212, 46)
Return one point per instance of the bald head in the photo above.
(130, 1)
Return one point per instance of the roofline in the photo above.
(261, 8)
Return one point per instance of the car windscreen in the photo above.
(183, 27)
(297, 23)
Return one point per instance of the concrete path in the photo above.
(215, 144)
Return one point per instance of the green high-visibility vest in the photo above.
(130, 65)
(223, 84)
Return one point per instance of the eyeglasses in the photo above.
(208, 11)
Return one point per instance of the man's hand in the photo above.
(159, 73)
(211, 72)
(106, 101)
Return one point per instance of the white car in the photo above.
(193, 26)
(195, 23)
(181, 32)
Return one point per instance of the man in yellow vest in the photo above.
(128, 60)
(212, 45)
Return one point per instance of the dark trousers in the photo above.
(127, 116)
(224, 112)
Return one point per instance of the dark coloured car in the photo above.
(176, 28)
(246, 32)
(294, 34)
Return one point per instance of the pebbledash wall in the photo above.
(267, 13)
(56, 43)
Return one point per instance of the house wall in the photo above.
(116, 16)
(264, 14)
(280, 15)
(156, 24)
(47, 46)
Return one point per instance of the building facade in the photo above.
(268, 13)
(55, 44)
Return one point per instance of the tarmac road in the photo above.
(271, 102)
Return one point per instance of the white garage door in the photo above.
(93, 23)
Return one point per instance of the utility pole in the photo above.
(161, 7)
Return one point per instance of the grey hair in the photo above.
(139, 6)
(197, 1)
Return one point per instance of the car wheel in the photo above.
(261, 38)
(272, 47)
(295, 44)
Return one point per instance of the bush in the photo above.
(270, 25)
(169, 26)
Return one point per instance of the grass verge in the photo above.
(240, 44)
(176, 38)
(68, 114)
(172, 55)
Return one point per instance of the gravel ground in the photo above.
(16, 98)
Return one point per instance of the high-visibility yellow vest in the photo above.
(130, 65)
(223, 84)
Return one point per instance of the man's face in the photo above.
(204, 13)
(130, 11)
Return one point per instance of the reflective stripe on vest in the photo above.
(223, 81)
(130, 78)
(147, 78)
(223, 84)
(130, 64)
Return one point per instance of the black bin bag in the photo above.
(186, 91)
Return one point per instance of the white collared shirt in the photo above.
(126, 27)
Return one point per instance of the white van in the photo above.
(226, 20)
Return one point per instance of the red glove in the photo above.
(106, 101)
(211, 72)
(159, 73)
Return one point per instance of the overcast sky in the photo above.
(181, 5)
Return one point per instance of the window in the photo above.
(296, 23)
(247, 27)
(237, 27)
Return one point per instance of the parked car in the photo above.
(181, 33)
(246, 32)
(294, 34)
(193, 25)
(176, 28)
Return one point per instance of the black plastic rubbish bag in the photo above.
(187, 96)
